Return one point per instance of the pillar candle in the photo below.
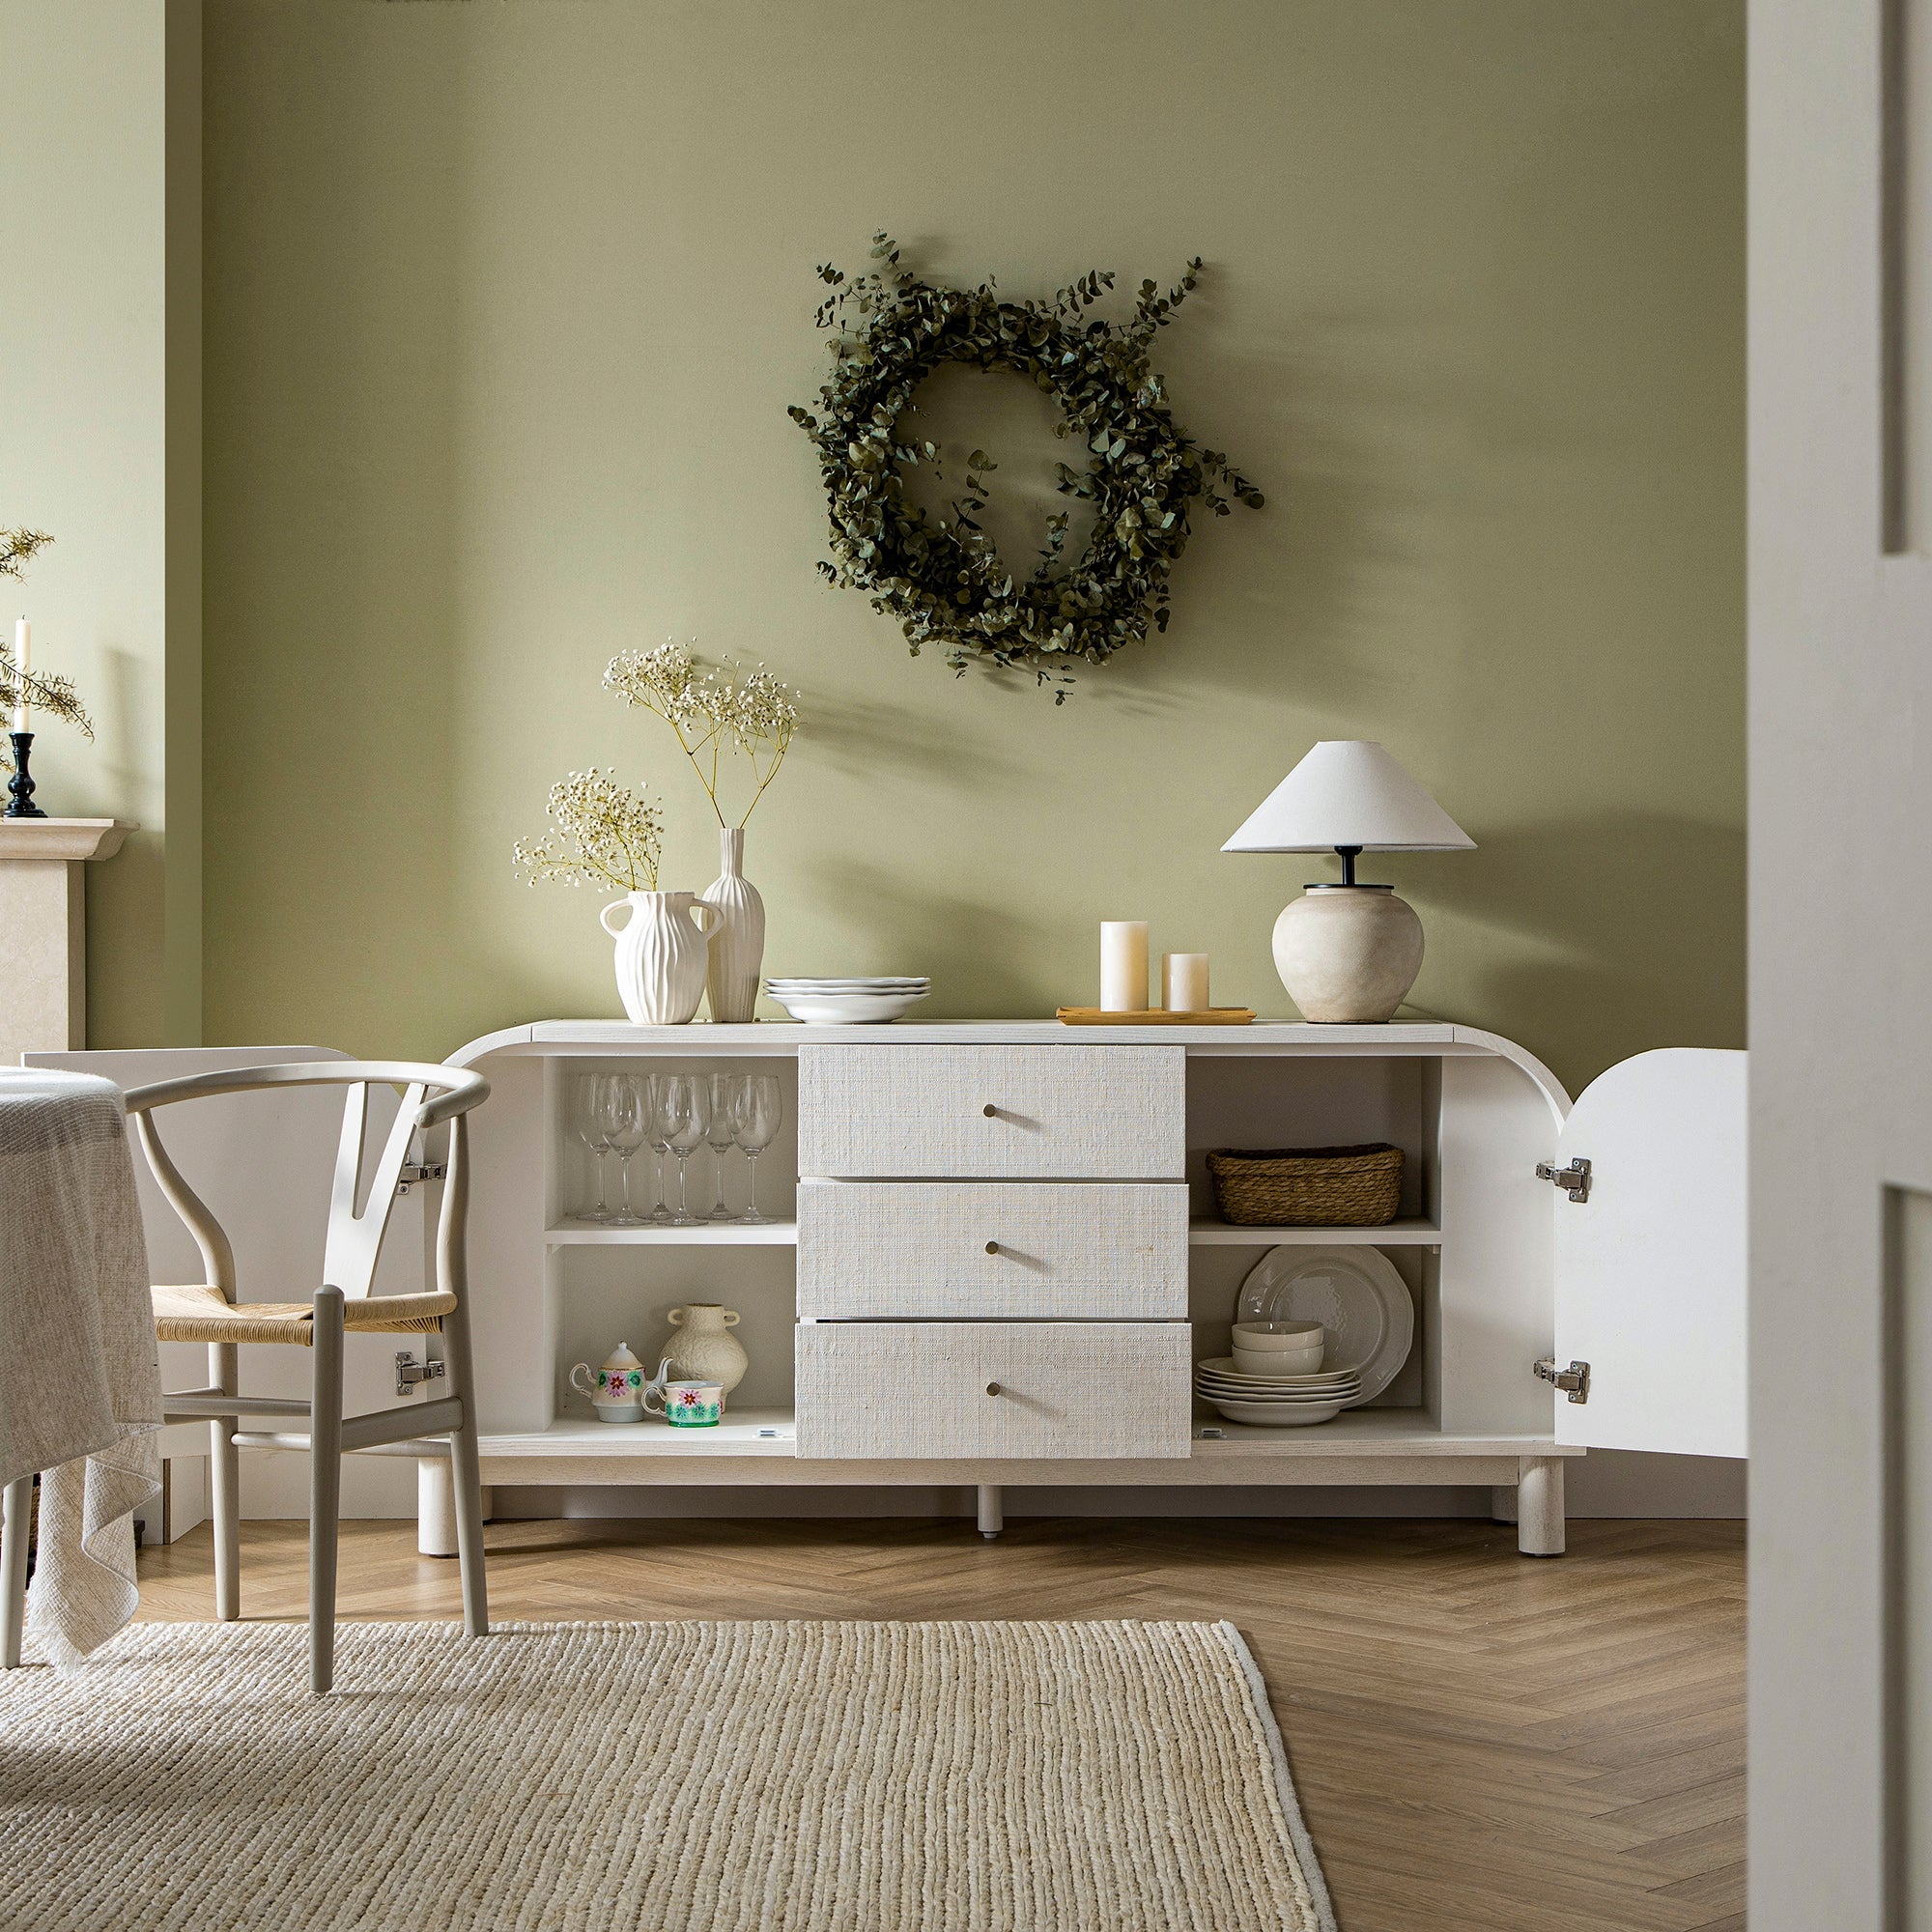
(1124, 965)
(1183, 982)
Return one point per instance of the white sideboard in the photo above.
(999, 1258)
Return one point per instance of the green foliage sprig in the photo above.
(44, 691)
(943, 579)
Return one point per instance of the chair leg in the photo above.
(466, 1470)
(16, 1511)
(224, 1468)
(324, 1485)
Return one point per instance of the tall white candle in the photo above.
(1124, 965)
(23, 656)
(1184, 982)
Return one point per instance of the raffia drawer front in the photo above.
(1018, 1248)
(1070, 1113)
(1065, 1388)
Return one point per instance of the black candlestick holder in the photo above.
(21, 786)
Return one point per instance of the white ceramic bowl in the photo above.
(1280, 1363)
(1262, 1337)
(847, 1009)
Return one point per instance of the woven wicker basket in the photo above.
(1308, 1188)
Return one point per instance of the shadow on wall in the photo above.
(908, 927)
(1638, 921)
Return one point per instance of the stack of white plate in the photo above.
(853, 1002)
(1276, 1402)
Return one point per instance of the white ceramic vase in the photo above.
(663, 951)
(738, 945)
(702, 1347)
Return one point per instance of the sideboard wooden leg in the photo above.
(1502, 1503)
(991, 1519)
(436, 1507)
(1539, 1498)
(14, 1514)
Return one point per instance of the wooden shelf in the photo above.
(1415, 1232)
(704, 1235)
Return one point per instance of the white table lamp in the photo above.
(1348, 952)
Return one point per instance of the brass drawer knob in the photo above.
(989, 1110)
(992, 1247)
(992, 1388)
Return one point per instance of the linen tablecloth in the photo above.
(80, 1379)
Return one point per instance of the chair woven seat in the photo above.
(195, 1312)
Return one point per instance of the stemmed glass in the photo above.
(622, 1114)
(720, 1136)
(661, 1215)
(682, 1112)
(756, 1112)
(587, 1119)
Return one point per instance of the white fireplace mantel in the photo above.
(44, 929)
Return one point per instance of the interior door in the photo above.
(1650, 1263)
(1840, 598)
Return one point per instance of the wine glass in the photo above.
(586, 1121)
(757, 1107)
(683, 1112)
(625, 1129)
(720, 1136)
(660, 1214)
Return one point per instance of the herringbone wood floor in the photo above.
(1483, 1743)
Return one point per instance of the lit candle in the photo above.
(1184, 982)
(1124, 965)
(23, 657)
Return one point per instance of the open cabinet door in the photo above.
(1650, 1264)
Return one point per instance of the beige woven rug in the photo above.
(656, 1777)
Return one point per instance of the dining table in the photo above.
(81, 1382)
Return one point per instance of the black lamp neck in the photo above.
(1348, 855)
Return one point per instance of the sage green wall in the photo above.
(99, 410)
(504, 307)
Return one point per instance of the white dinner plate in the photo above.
(1355, 1292)
(1260, 1416)
(1211, 1393)
(1222, 1368)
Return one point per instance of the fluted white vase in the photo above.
(662, 954)
(738, 945)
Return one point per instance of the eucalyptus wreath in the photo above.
(943, 578)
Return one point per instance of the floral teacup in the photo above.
(686, 1405)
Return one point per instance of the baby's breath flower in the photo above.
(711, 710)
(606, 836)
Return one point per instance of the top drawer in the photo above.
(1062, 1113)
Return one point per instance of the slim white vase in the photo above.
(662, 954)
(738, 945)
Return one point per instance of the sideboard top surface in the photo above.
(780, 1038)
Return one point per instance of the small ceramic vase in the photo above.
(662, 954)
(738, 945)
(616, 1390)
(701, 1347)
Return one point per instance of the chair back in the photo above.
(362, 1192)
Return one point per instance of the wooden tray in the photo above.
(1156, 1016)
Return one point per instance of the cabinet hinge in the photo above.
(413, 1172)
(1574, 1382)
(1574, 1180)
(410, 1374)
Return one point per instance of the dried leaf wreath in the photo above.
(944, 578)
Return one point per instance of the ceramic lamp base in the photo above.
(1348, 955)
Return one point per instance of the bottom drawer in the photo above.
(992, 1389)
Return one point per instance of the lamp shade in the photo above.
(1348, 791)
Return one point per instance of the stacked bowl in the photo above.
(1276, 1379)
(849, 1002)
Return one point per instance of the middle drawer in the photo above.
(1009, 1249)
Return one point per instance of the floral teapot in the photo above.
(618, 1389)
